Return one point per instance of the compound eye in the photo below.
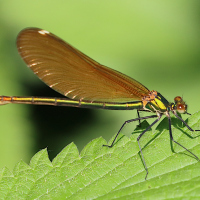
(178, 99)
(181, 108)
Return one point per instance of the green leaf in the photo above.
(113, 173)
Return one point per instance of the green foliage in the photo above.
(113, 173)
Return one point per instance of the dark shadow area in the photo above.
(55, 125)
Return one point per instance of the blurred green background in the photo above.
(155, 42)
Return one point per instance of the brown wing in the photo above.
(72, 73)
